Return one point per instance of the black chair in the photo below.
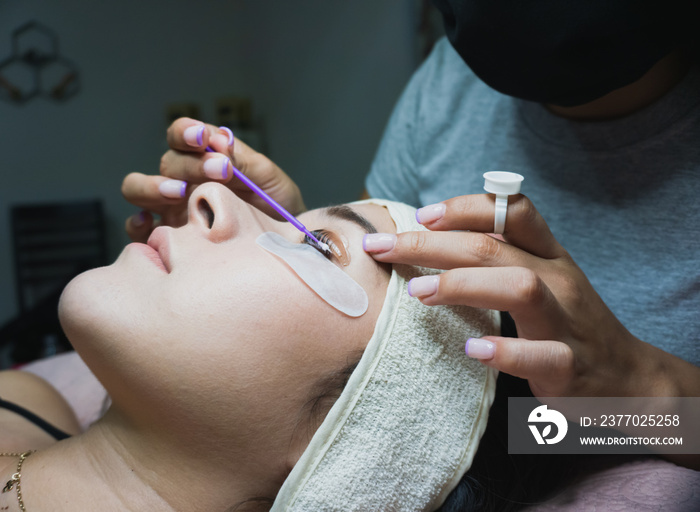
(52, 244)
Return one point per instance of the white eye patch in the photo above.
(321, 275)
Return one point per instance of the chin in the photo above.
(75, 309)
(89, 306)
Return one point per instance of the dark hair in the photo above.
(325, 393)
(498, 481)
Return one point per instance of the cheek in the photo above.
(258, 347)
(259, 315)
(265, 322)
(213, 309)
(255, 336)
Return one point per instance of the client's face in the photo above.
(212, 325)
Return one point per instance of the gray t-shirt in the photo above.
(622, 196)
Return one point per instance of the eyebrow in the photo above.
(344, 212)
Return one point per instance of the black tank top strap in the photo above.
(47, 427)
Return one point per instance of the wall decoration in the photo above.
(35, 68)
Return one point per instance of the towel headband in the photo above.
(407, 425)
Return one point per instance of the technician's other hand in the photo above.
(531, 276)
(187, 164)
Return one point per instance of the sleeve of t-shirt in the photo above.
(393, 174)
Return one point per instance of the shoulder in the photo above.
(444, 61)
(438, 126)
(445, 72)
(447, 100)
(25, 387)
(38, 396)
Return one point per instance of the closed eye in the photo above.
(336, 249)
(322, 236)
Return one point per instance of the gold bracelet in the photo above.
(16, 477)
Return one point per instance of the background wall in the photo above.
(322, 75)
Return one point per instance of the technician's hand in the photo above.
(531, 276)
(187, 164)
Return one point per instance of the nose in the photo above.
(217, 212)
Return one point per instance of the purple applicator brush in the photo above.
(274, 204)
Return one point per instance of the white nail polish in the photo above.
(479, 349)
(173, 189)
(216, 168)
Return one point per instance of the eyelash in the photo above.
(323, 236)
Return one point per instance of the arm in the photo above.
(531, 276)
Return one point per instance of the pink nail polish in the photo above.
(479, 349)
(216, 168)
(431, 213)
(194, 135)
(173, 189)
(378, 242)
(423, 286)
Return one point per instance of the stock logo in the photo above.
(541, 415)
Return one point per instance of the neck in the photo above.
(122, 469)
(659, 80)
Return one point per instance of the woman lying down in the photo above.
(236, 386)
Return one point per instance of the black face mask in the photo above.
(563, 52)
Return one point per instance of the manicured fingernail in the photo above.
(423, 286)
(228, 133)
(216, 168)
(479, 349)
(173, 188)
(378, 242)
(138, 219)
(193, 135)
(430, 213)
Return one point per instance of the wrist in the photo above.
(662, 373)
(638, 370)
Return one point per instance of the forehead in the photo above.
(377, 216)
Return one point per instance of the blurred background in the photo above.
(87, 90)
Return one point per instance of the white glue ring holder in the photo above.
(503, 184)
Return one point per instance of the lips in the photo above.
(159, 242)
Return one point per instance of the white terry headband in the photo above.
(407, 425)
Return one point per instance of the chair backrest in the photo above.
(52, 244)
